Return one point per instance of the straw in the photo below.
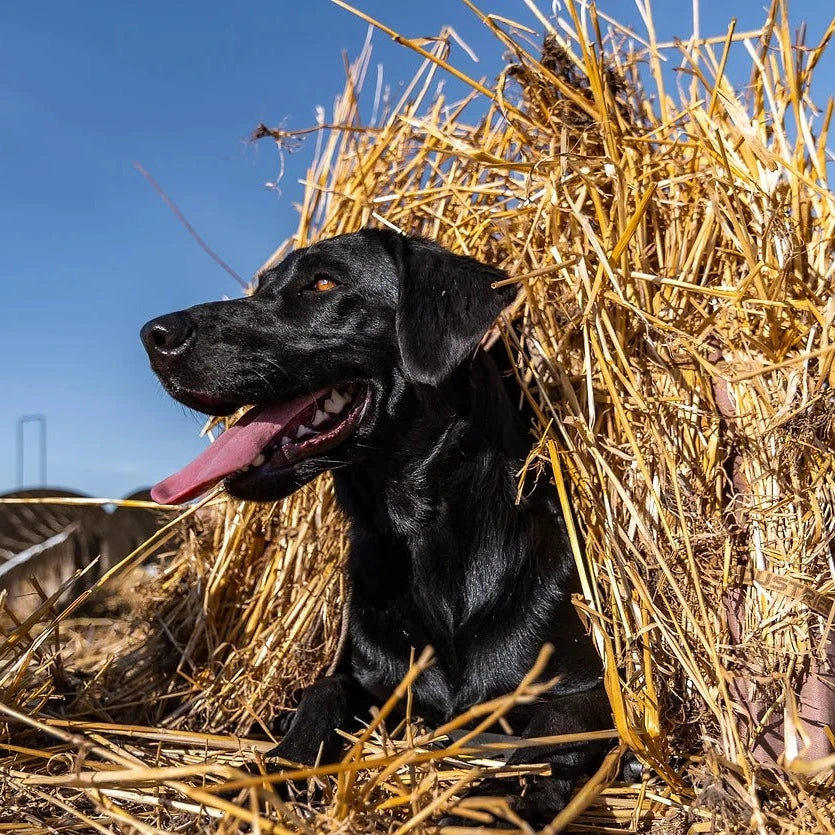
(675, 336)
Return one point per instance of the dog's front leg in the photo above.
(543, 797)
(573, 713)
(325, 706)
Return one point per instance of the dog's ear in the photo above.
(445, 304)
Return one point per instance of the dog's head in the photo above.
(332, 337)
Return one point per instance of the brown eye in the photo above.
(322, 284)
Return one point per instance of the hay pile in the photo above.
(675, 334)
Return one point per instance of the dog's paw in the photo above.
(489, 805)
(632, 769)
(479, 812)
(468, 823)
(501, 803)
(295, 748)
(249, 768)
(289, 755)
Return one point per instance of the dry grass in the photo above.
(674, 332)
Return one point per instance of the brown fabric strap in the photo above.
(788, 587)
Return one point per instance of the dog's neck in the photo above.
(465, 440)
(437, 435)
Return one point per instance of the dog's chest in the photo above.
(383, 641)
(388, 631)
(464, 582)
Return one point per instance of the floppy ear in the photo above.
(445, 304)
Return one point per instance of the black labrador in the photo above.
(361, 356)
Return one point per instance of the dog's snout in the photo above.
(167, 335)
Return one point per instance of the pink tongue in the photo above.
(233, 450)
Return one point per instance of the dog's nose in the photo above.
(167, 335)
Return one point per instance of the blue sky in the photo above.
(88, 251)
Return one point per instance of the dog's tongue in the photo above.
(232, 451)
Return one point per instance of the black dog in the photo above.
(361, 356)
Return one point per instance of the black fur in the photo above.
(441, 553)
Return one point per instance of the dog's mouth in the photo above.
(269, 438)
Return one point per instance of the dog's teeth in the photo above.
(303, 431)
(338, 401)
(319, 417)
(331, 407)
(285, 440)
(258, 460)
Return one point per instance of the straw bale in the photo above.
(674, 336)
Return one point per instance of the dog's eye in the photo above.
(323, 284)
